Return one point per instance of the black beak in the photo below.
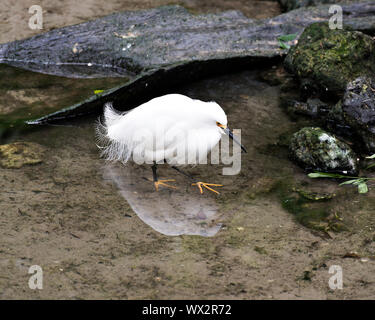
(230, 134)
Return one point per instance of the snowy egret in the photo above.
(172, 128)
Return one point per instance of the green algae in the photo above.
(305, 211)
(310, 208)
(316, 196)
(17, 154)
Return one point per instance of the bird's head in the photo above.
(221, 121)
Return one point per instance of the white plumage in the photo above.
(173, 127)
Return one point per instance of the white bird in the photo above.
(172, 128)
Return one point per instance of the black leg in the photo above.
(184, 173)
(154, 167)
(158, 182)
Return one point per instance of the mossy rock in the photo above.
(17, 154)
(310, 208)
(325, 60)
(318, 150)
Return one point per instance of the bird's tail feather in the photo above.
(111, 115)
(110, 149)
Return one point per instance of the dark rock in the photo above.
(316, 149)
(311, 108)
(358, 110)
(133, 43)
(335, 122)
(276, 76)
(288, 5)
(130, 43)
(326, 60)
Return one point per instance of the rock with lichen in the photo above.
(315, 149)
(358, 110)
(325, 60)
(17, 154)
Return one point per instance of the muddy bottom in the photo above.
(100, 231)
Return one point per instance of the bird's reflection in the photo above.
(170, 212)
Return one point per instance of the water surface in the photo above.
(101, 231)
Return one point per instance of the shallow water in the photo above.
(100, 230)
(26, 95)
(170, 212)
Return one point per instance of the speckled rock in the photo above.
(17, 154)
(325, 60)
(315, 149)
(358, 110)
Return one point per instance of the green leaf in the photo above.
(98, 91)
(287, 37)
(348, 182)
(325, 175)
(359, 181)
(371, 157)
(362, 187)
(370, 166)
(284, 45)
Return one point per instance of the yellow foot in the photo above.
(206, 185)
(162, 183)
